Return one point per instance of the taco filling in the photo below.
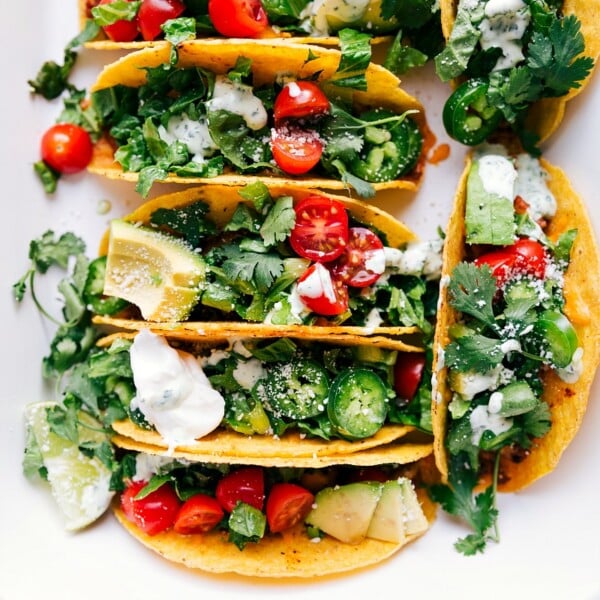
(507, 56)
(198, 119)
(514, 369)
(272, 260)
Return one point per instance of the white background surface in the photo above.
(550, 545)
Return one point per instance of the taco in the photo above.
(518, 341)
(220, 261)
(515, 64)
(269, 400)
(266, 522)
(228, 109)
(137, 25)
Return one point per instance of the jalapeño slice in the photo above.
(358, 403)
(295, 390)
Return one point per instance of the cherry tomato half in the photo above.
(525, 256)
(238, 18)
(321, 293)
(155, 512)
(66, 148)
(295, 150)
(123, 30)
(300, 99)
(243, 485)
(321, 229)
(153, 13)
(408, 372)
(198, 514)
(287, 505)
(363, 261)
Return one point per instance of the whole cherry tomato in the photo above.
(246, 484)
(321, 229)
(155, 512)
(287, 505)
(238, 18)
(66, 148)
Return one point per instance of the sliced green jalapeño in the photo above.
(467, 115)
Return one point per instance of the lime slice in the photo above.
(161, 275)
(79, 484)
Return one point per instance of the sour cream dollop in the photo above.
(172, 391)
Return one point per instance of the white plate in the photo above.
(550, 533)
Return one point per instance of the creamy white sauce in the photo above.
(572, 372)
(315, 14)
(510, 346)
(147, 465)
(373, 319)
(375, 260)
(298, 309)
(317, 284)
(495, 402)
(473, 383)
(418, 258)
(482, 420)
(238, 99)
(194, 134)
(503, 27)
(172, 391)
(532, 187)
(248, 372)
(498, 175)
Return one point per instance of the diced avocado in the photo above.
(489, 212)
(358, 14)
(389, 519)
(160, 274)
(416, 521)
(345, 512)
(374, 355)
(470, 383)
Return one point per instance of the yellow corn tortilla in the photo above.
(290, 554)
(222, 201)
(546, 115)
(567, 401)
(270, 61)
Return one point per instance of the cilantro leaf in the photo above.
(257, 267)
(355, 58)
(472, 290)
(474, 353)
(537, 422)
(279, 221)
(188, 221)
(246, 524)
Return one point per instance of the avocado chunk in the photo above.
(345, 512)
(416, 521)
(160, 274)
(388, 521)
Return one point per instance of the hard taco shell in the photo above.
(567, 401)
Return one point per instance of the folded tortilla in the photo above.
(567, 401)
(270, 61)
(222, 201)
(546, 115)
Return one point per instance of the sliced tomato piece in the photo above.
(363, 261)
(321, 293)
(238, 18)
(242, 485)
(287, 505)
(295, 150)
(198, 514)
(408, 372)
(321, 229)
(122, 30)
(300, 99)
(154, 13)
(153, 513)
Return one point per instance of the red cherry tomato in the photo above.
(295, 150)
(300, 99)
(525, 256)
(67, 148)
(243, 485)
(198, 514)
(321, 229)
(363, 261)
(154, 513)
(123, 30)
(153, 13)
(408, 372)
(321, 293)
(238, 18)
(287, 505)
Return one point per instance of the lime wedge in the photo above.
(79, 484)
(161, 275)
